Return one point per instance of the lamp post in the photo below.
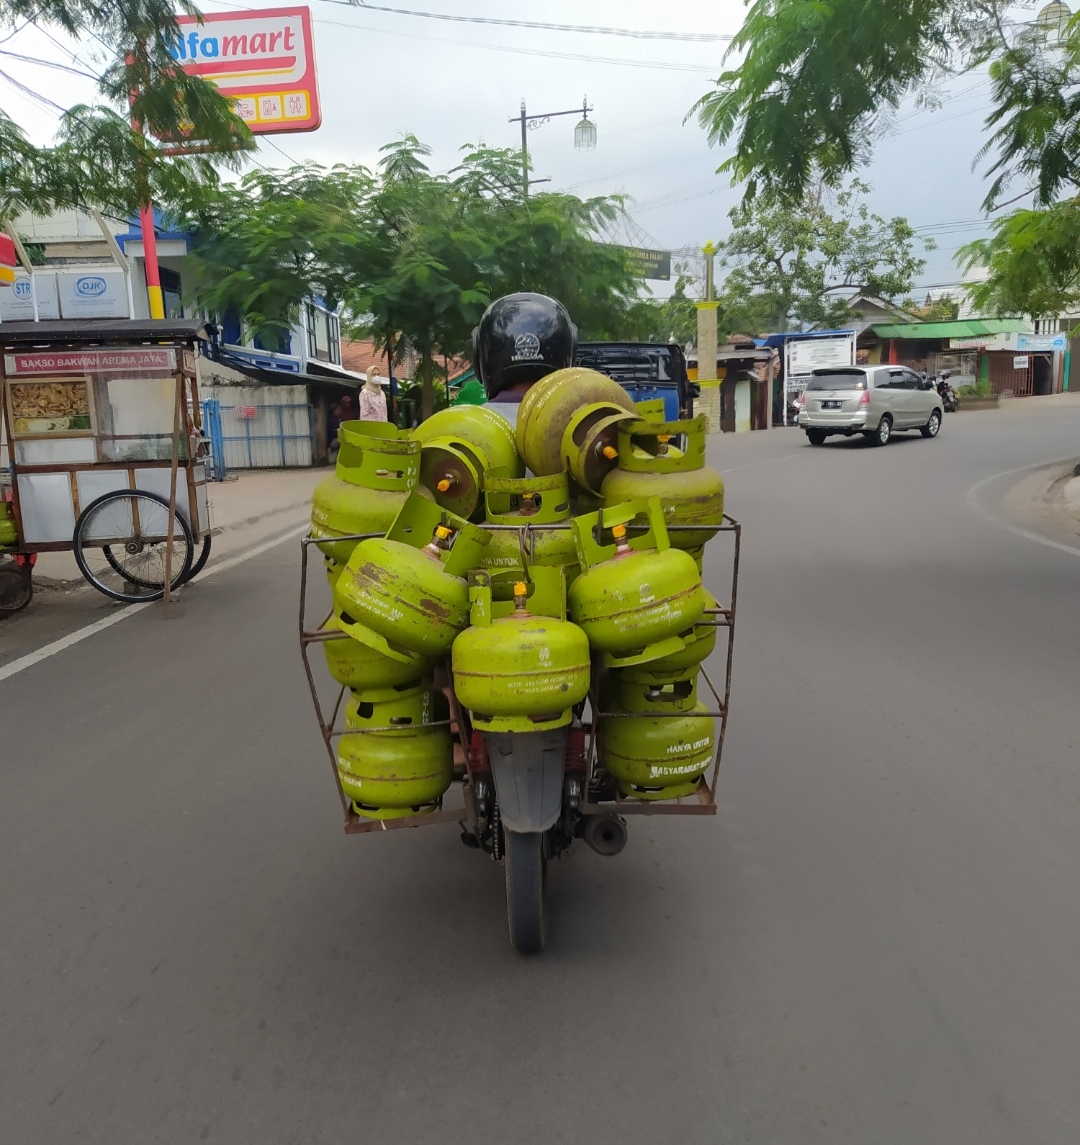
(584, 135)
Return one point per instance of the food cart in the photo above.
(106, 458)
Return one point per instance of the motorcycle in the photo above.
(947, 394)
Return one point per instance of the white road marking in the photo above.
(762, 461)
(982, 511)
(32, 658)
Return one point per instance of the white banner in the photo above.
(16, 304)
(93, 293)
(805, 355)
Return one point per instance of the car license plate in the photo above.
(832, 405)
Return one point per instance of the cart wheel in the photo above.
(120, 545)
(525, 871)
(16, 589)
(200, 560)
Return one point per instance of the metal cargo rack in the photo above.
(701, 802)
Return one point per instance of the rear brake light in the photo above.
(864, 398)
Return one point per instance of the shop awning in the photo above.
(967, 328)
(104, 330)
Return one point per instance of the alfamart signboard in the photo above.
(264, 59)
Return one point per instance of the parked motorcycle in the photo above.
(946, 393)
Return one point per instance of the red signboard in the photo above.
(246, 412)
(90, 361)
(264, 59)
(8, 261)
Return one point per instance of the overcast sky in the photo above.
(383, 74)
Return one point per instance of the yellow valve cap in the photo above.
(610, 452)
(663, 437)
(618, 532)
(521, 588)
(442, 487)
(442, 532)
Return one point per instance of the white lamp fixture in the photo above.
(585, 132)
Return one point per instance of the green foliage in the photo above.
(791, 265)
(264, 245)
(819, 79)
(98, 160)
(943, 309)
(673, 319)
(413, 256)
(1033, 260)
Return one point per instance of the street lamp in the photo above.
(584, 135)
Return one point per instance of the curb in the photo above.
(78, 583)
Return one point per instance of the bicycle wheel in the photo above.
(120, 544)
(200, 560)
(16, 588)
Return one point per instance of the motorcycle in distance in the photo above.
(946, 393)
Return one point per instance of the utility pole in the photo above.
(706, 345)
(584, 136)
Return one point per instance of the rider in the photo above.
(521, 338)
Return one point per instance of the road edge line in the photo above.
(81, 634)
(981, 510)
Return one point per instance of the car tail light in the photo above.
(864, 398)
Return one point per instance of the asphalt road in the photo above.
(876, 941)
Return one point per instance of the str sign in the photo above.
(264, 59)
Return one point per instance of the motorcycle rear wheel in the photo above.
(525, 871)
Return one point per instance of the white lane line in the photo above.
(32, 658)
(982, 511)
(762, 461)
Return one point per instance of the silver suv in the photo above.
(875, 401)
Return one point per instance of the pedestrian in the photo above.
(372, 398)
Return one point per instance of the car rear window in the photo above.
(838, 380)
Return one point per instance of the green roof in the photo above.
(971, 328)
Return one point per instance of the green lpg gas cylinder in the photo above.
(589, 443)
(638, 594)
(391, 762)
(355, 665)
(405, 595)
(8, 536)
(699, 643)
(522, 507)
(650, 464)
(656, 756)
(377, 468)
(657, 696)
(549, 406)
(521, 672)
(458, 446)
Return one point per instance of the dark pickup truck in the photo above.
(645, 370)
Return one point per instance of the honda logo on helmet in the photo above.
(526, 348)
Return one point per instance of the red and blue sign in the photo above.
(264, 60)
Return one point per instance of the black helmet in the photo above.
(521, 338)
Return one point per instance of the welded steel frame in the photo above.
(701, 802)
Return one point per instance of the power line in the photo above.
(49, 64)
(619, 61)
(587, 29)
(31, 94)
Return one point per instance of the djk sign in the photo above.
(264, 59)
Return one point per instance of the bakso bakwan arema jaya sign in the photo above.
(264, 59)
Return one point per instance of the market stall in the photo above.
(105, 454)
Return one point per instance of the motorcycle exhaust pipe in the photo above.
(606, 834)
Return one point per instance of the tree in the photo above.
(413, 256)
(1033, 263)
(98, 159)
(820, 77)
(796, 264)
(262, 246)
